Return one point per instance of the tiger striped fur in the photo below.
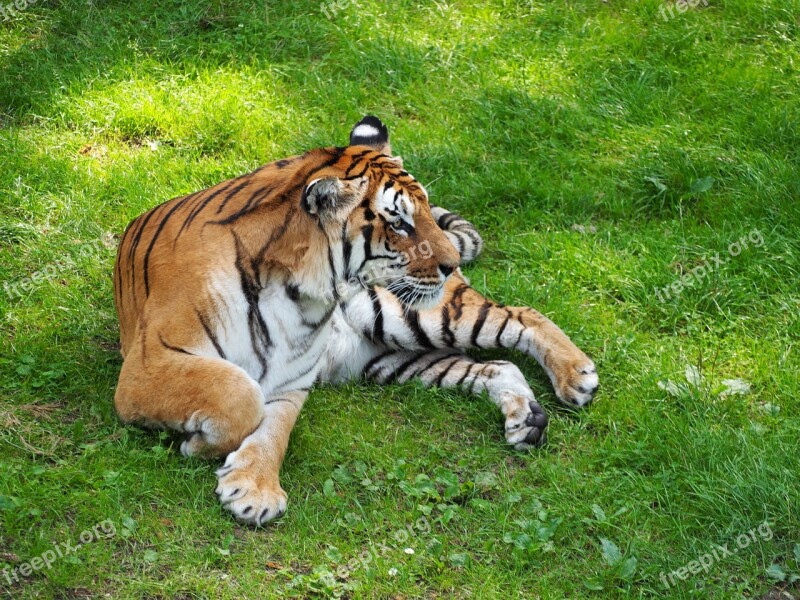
(234, 301)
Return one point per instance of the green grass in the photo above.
(580, 137)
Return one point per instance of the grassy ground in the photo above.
(604, 149)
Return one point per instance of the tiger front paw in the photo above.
(576, 383)
(245, 488)
(527, 428)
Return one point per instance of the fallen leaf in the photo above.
(701, 185)
(770, 408)
(735, 386)
(670, 387)
(693, 375)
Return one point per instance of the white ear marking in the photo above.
(365, 131)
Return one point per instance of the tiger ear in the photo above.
(331, 198)
(369, 131)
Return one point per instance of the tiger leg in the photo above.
(215, 403)
(572, 373)
(525, 419)
(249, 484)
(470, 320)
(465, 320)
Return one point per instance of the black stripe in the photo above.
(193, 196)
(475, 379)
(135, 244)
(361, 174)
(173, 348)
(479, 323)
(444, 373)
(141, 222)
(457, 296)
(366, 233)
(465, 375)
(297, 376)
(292, 292)
(266, 402)
(447, 219)
(473, 235)
(377, 332)
(347, 250)
(260, 338)
(519, 337)
(252, 202)
(399, 372)
(322, 321)
(356, 160)
(412, 319)
(396, 201)
(459, 244)
(334, 274)
(203, 203)
(274, 400)
(371, 364)
(118, 267)
(433, 363)
(222, 204)
(448, 337)
(118, 286)
(336, 154)
(161, 225)
(210, 334)
(502, 328)
(465, 240)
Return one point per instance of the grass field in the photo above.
(605, 150)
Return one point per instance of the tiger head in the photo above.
(382, 219)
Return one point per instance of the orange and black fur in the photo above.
(233, 301)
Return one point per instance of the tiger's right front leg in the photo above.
(223, 411)
(214, 402)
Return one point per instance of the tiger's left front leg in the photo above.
(465, 319)
(249, 484)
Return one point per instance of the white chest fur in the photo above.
(278, 340)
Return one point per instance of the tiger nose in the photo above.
(446, 270)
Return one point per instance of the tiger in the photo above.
(320, 268)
